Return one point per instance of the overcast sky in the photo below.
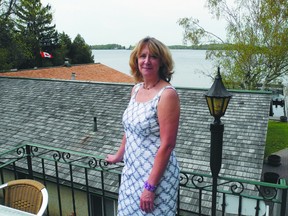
(125, 22)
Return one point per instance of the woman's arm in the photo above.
(168, 117)
(120, 153)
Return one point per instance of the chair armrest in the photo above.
(44, 202)
(3, 185)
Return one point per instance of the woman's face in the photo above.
(148, 64)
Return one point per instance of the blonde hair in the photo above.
(158, 49)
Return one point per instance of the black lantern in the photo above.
(217, 98)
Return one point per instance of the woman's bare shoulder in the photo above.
(169, 95)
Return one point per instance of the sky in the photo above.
(125, 22)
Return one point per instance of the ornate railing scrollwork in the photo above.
(20, 152)
(66, 156)
(33, 150)
(92, 162)
(184, 179)
(56, 156)
(103, 163)
(268, 193)
(237, 187)
(197, 181)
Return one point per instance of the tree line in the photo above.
(194, 47)
(107, 46)
(26, 31)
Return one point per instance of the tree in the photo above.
(255, 52)
(12, 49)
(63, 49)
(80, 52)
(5, 41)
(33, 21)
(6, 8)
(26, 29)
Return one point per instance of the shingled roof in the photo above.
(85, 72)
(60, 113)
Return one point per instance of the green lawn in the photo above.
(277, 137)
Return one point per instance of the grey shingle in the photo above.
(60, 114)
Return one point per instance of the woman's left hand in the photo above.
(147, 201)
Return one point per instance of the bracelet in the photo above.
(149, 187)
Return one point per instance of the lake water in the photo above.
(189, 65)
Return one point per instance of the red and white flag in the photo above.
(46, 55)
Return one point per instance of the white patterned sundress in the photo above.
(142, 131)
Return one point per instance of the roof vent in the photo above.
(73, 76)
(95, 124)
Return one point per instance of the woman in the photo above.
(150, 177)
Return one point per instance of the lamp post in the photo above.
(217, 98)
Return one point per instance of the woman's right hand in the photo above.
(112, 159)
(118, 157)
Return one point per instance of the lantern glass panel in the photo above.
(210, 105)
(218, 106)
(225, 105)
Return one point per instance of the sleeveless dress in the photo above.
(142, 131)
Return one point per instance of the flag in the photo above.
(46, 55)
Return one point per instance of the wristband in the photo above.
(149, 187)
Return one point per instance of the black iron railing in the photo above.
(84, 184)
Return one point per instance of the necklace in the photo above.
(148, 88)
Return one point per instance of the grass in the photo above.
(277, 137)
